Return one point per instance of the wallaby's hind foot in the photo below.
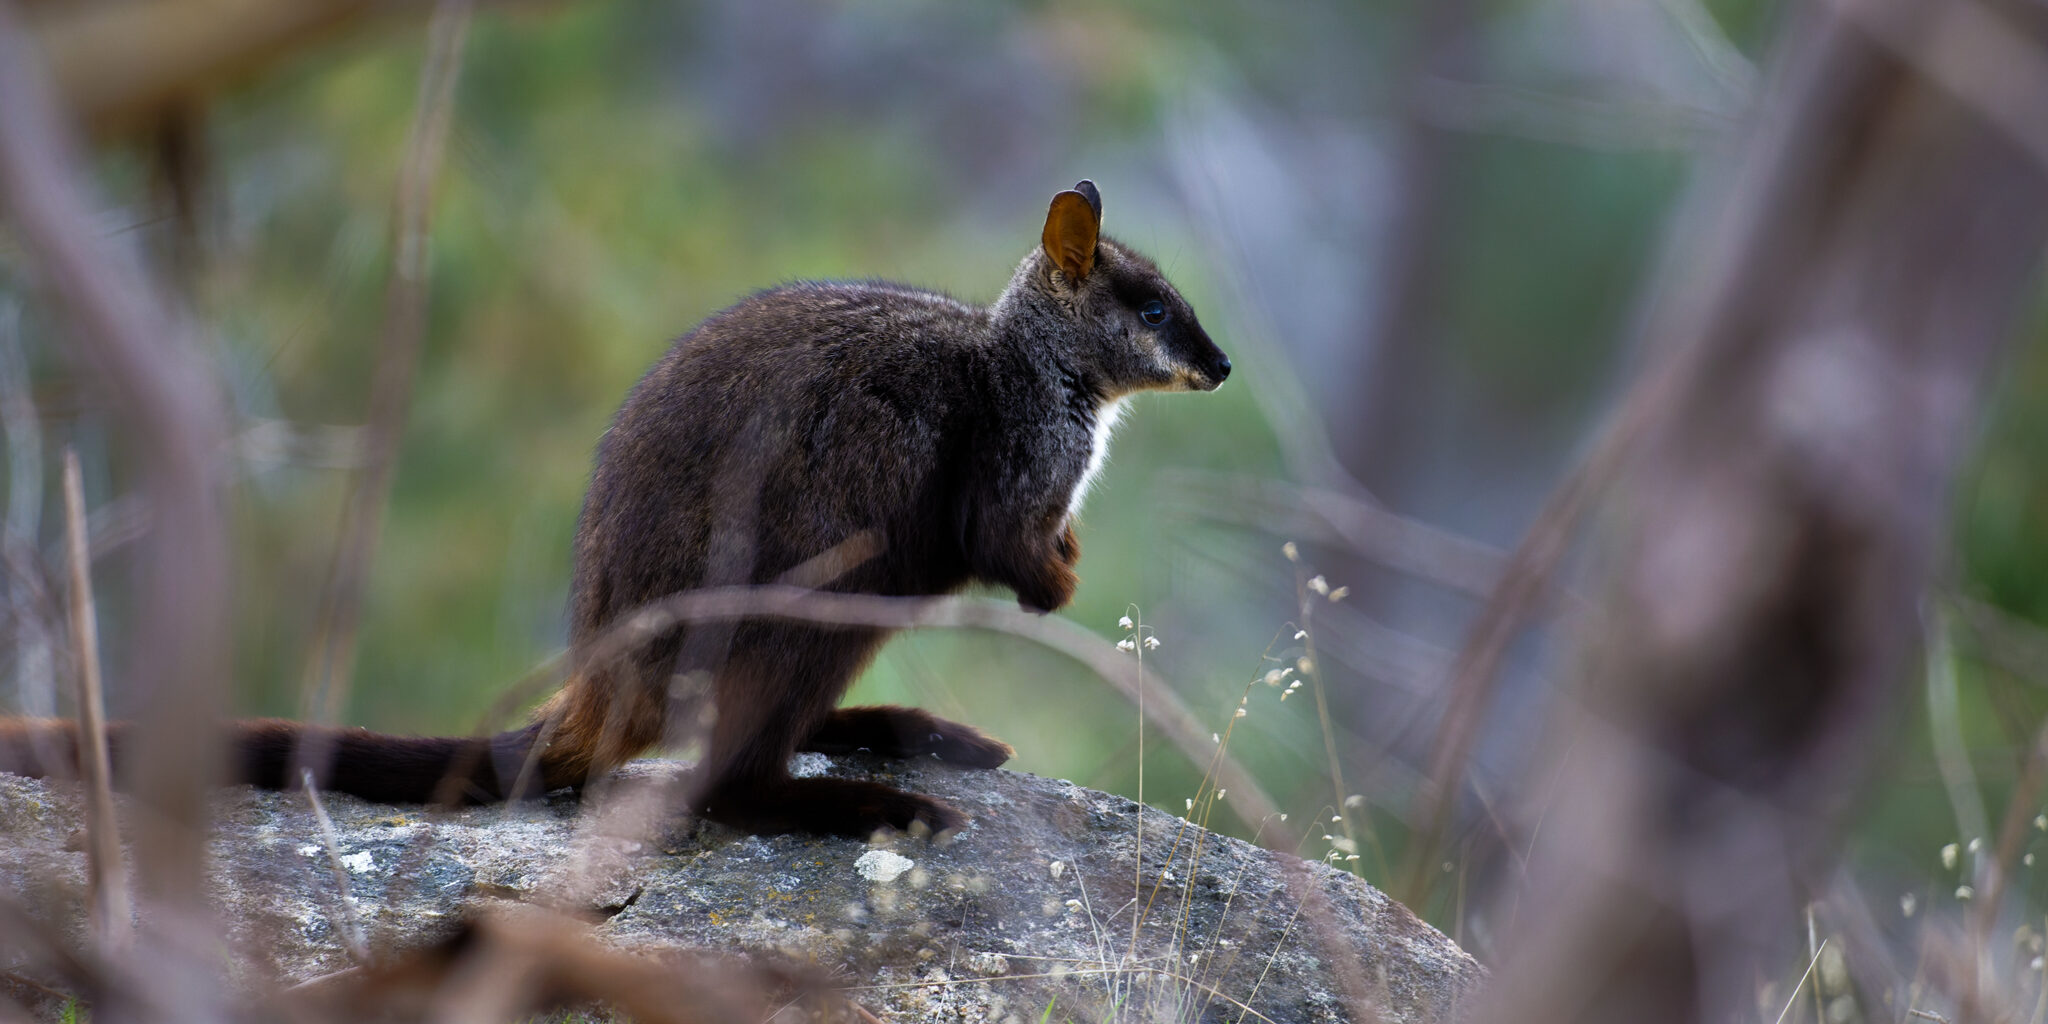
(889, 730)
(840, 807)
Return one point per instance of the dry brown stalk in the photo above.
(106, 873)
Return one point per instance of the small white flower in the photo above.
(1215, 737)
(1151, 643)
(1335, 818)
(1339, 593)
(1976, 845)
(1274, 677)
(1283, 817)
(1948, 856)
(1301, 634)
(1319, 584)
(1354, 800)
(1240, 713)
(1964, 892)
(2041, 822)
(1908, 903)
(1127, 644)
(1304, 666)
(1191, 803)
(1293, 553)
(1220, 793)
(1124, 623)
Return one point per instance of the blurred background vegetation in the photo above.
(1419, 230)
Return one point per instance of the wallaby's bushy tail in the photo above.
(272, 753)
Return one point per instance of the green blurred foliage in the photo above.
(612, 179)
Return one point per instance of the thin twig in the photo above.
(1820, 1015)
(106, 872)
(1138, 814)
(1794, 997)
(352, 938)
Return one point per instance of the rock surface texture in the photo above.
(1031, 906)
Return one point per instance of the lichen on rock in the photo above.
(1031, 905)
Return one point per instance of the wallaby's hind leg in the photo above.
(892, 731)
(777, 689)
(837, 807)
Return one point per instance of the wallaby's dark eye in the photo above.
(1153, 312)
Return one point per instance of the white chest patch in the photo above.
(1106, 419)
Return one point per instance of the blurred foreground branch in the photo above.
(1774, 527)
(118, 65)
(157, 380)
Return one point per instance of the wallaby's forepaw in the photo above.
(1067, 546)
(1052, 590)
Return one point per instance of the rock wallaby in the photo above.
(859, 437)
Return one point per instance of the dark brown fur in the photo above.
(940, 443)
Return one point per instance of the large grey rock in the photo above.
(1028, 907)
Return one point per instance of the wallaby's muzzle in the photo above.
(1219, 371)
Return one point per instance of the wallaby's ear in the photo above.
(1070, 228)
(1094, 197)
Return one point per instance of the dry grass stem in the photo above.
(352, 938)
(107, 874)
